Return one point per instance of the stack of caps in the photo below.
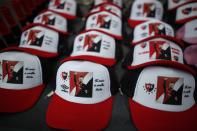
(159, 85)
(22, 68)
(46, 36)
(85, 83)
(187, 14)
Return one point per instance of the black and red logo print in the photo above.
(81, 84)
(169, 90)
(12, 71)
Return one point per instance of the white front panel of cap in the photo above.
(152, 28)
(117, 2)
(165, 89)
(191, 29)
(19, 71)
(53, 20)
(106, 22)
(108, 7)
(40, 38)
(155, 50)
(186, 11)
(175, 3)
(145, 10)
(83, 82)
(64, 6)
(95, 44)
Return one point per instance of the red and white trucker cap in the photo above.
(94, 46)
(188, 32)
(107, 7)
(66, 8)
(105, 22)
(83, 97)
(21, 81)
(174, 4)
(52, 21)
(117, 3)
(161, 98)
(40, 41)
(186, 13)
(153, 29)
(144, 10)
(190, 55)
(157, 51)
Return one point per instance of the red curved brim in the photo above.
(103, 61)
(165, 63)
(67, 16)
(62, 114)
(177, 41)
(32, 51)
(111, 3)
(133, 23)
(146, 118)
(114, 36)
(182, 21)
(12, 101)
(45, 26)
(91, 13)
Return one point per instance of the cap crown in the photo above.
(152, 28)
(52, 20)
(166, 89)
(40, 38)
(146, 10)
(63, 6)
(105, 21)
(83, 82)
(94, 43)
(157, 49)
(19, 71)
